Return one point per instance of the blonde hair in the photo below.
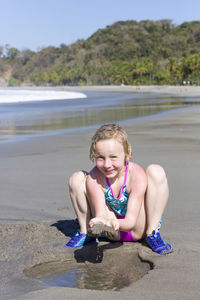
(111, 131)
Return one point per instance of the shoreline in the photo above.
(144, 94)
(192, 91)
(187, 90)
(40, 218)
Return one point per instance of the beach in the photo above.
(37, 218)
(184, 90)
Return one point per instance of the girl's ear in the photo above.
(126, 158)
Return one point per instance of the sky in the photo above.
(35, 24)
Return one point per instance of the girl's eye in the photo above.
(99, 157)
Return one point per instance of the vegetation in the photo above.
(130, 53)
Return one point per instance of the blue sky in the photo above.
(35, 24)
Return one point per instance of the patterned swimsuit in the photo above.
(118, 205)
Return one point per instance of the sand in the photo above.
(182, 91)
(37, 218)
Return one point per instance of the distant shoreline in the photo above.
(185, 91)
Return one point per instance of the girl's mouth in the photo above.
(108, 172)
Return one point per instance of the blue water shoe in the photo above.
(157, 244)
(81, 239)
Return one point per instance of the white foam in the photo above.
(11, 96)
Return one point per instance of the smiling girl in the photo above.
(117, 197)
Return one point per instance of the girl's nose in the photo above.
(107, 163)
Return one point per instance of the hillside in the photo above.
(128, 52)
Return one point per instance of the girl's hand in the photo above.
(114, 223)
(99, 220)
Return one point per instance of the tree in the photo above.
(39, 78)
(1, 51)
(53, 78)
(13, 82)
(12, 52)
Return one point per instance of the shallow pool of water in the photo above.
(94, 269)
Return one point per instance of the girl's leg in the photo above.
(155, 200)
(151, 213)
(77, 190)
(156, 197)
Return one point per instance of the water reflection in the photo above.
(55, 118)
(115, 270)
(82, 118)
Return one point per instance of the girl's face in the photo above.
(110, 157)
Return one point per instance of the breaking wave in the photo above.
(13, 96)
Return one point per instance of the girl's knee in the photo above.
(77, 180)
(156, 173)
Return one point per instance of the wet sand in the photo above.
(37, 219)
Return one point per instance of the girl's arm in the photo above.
(96, 200)
(95, 194)
(137, 186)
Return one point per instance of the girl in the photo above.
(117, 197)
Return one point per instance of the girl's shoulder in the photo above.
(136, 174)
(136, 168)
(95, 177)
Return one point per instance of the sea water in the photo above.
(26, 113)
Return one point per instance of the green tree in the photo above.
(53, 78)
(13, 82)
(12, 52)
(39, 78)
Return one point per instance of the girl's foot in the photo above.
(81, 239)
(157, 244)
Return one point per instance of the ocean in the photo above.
(27, 113)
